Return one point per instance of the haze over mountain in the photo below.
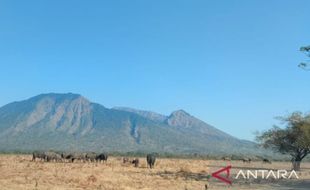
(71, 122)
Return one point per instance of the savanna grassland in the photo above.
(18, 172)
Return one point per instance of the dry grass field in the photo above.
(18, 172)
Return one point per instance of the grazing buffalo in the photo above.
(71, 157)
(91, 157)
(102, 157)
(151, 158)
(52, 156)
(265, 160)
(67, 157)
(38, 155)
(136, 162)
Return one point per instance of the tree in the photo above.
(303, 65)
(294, 139)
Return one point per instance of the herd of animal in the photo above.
(51, 156)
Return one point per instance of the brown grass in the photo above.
(18, 172)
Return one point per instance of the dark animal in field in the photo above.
(91, 157)
(67, 157)
(151, 158)
(38, 155)
(265, 160)
(246, 160)
(71, 157)
(52, 156)
(102, 157)
(136, 162)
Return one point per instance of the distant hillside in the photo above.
(71, 122)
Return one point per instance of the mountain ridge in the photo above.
(72, 122)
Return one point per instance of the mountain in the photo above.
(71, 122)
(147, 114)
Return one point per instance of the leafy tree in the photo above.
(294, 139)
(306, 50)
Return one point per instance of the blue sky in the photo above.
(231, 63)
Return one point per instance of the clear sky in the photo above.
(230, 63)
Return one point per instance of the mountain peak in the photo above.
(60, 97)
(180, 118)
(66, 112)
(64, 95)
(179, 112)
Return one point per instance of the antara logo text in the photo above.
(255, 174)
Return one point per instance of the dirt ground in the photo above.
(18, 172)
